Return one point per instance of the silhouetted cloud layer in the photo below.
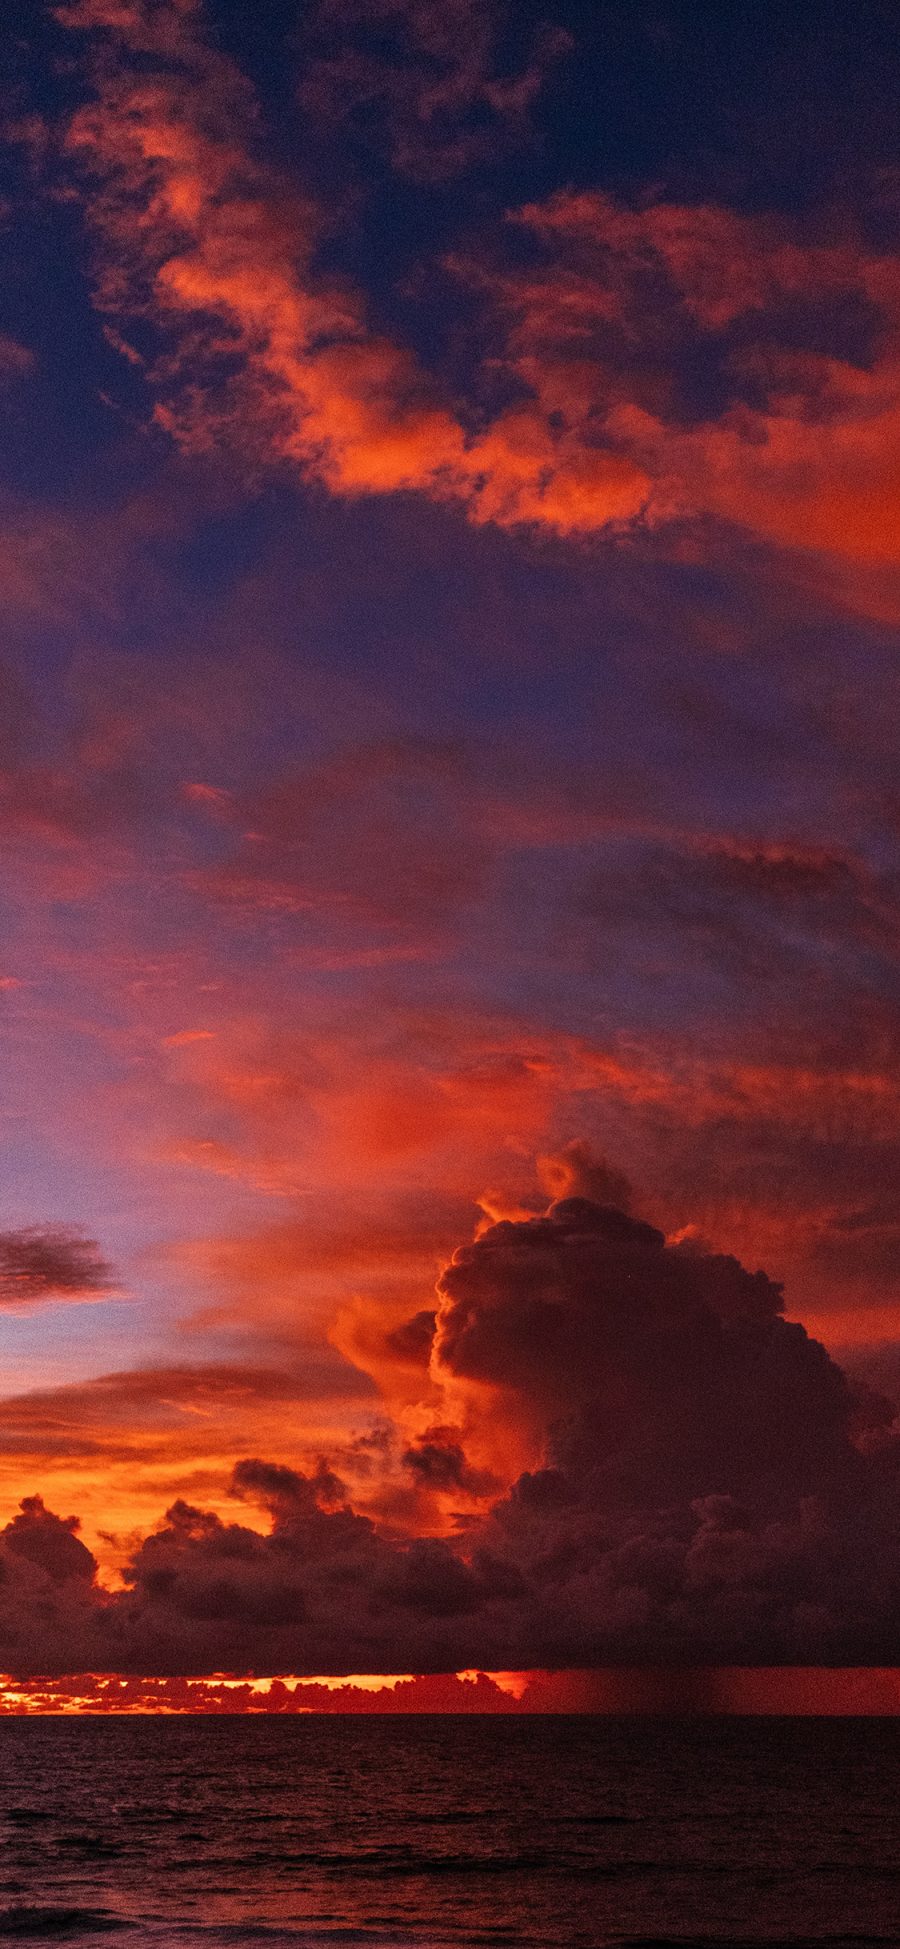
(707, 1487)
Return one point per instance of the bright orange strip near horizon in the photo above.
(731, 1691)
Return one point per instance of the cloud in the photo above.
(773, 1125)
(380, 834)
(607, 1334)
(324, 1585)
(198, 237)
(423, 79)
(51, 1542)
(437, 1460)
(355, 1103)
(793, 914)
(595, 315)
(796, 335)
(50, 1604)
(656, 1372)
(705, 1486)
(121, 1446)
(575, 1171)
(39, 1264)
(142, 1400)
(410, 961)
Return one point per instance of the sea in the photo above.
(448, 1833)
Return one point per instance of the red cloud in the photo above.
(798, 447)
(195, 233)
(599, 332)
(707, 1487)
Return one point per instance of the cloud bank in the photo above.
(705, 1486)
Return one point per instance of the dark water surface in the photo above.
(197, 1833)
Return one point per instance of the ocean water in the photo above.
(440, 1833)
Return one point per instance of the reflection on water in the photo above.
(442, 1832)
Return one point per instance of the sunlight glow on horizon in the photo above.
(727, 1691)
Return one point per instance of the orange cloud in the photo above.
(121, 1444)
(801, 452)
(775, 1135)
(197, 234)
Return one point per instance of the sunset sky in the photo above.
(450, 560)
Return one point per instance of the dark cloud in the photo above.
(437, 1460)
(324, 1592)
(785, 913)
(41, 1263)
(874, 1367)
(708, 1487)
(51, 1542)
(50, 1606)
(576, 1171)
(411, 1342)
(424, 80)
(588, 1301)
(288, 1495)
(714, 1486)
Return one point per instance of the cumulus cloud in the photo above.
(705, 1486)
(50, 1605)
(575, 1171)
(51, 1542)
(41, 1263)
(437, 1460)
(653, 1369)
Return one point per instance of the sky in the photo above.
(449, 838)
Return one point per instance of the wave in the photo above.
(30, 1923)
